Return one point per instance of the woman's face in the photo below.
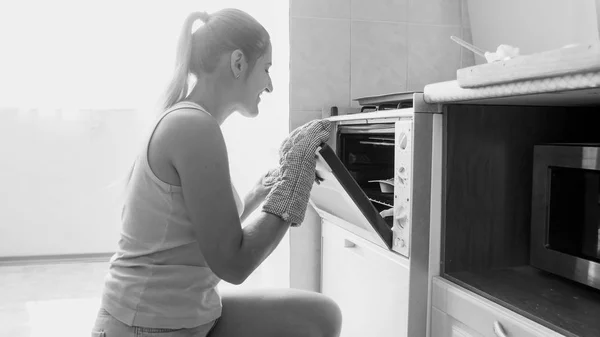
(257, 81)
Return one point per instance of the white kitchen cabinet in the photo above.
(369, 283)
(457, 309)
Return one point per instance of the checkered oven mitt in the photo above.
(271, 177)
(292, 181)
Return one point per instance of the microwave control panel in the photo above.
(402, 183)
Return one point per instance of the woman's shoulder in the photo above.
(187, 111)
(188, 105)
(188, 117)
(188, 129)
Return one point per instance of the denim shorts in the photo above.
(108, 326)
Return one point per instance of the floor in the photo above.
(59, 299)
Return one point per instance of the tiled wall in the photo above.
(534, 26)
(344, 49)
(597, 2)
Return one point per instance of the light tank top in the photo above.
(158, 277)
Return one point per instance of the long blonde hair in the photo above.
(199, 51)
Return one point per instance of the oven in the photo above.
(378, 190)
(377, 162)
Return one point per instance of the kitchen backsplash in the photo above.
(344, 49)
(533, 26)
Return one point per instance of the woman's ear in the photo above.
(238, 63)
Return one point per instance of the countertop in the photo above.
(581, 89)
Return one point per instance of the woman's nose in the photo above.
(270, 85)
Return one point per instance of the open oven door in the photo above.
(339, 199)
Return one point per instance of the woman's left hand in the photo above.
(259, 192)
(266, 182)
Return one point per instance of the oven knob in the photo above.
(401, 217)
(403, 140)
(400, 171)
(401, 175)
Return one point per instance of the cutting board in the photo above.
(559, 62)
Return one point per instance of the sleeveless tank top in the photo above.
(158, 278)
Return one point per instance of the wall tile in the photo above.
(439, 12)
(319, 63)
(465, 20)
(301, 117)
(432, 56)
(320, 8)
(598, 13)
(379, 10)
(467, 57)
(378, 58)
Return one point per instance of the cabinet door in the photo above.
(369, 283)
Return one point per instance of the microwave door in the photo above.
(339, 199)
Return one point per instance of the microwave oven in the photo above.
(375, 162)
(565, 214)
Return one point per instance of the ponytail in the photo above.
(229, 29)
(178, 87)
(199, 52)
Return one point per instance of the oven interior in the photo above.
(367, 152)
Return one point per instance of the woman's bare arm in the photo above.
(198, 153)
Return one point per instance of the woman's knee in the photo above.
(326, 317)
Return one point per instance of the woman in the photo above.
(181, 231)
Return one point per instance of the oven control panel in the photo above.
(402, 186)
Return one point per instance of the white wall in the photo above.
(57, 168)
(532, 25)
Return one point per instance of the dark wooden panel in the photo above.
(488, 177)
(561, 305)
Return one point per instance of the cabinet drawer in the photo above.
(482, 315)
(369, 284)
(443, 325)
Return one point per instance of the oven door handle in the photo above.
(367, 129)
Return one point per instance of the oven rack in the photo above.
(380, 202)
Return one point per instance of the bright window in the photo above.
(78, 84)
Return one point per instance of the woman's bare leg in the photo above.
(277, 313)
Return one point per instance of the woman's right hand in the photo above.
(289, 196)
(300, 131)
(273, 175)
